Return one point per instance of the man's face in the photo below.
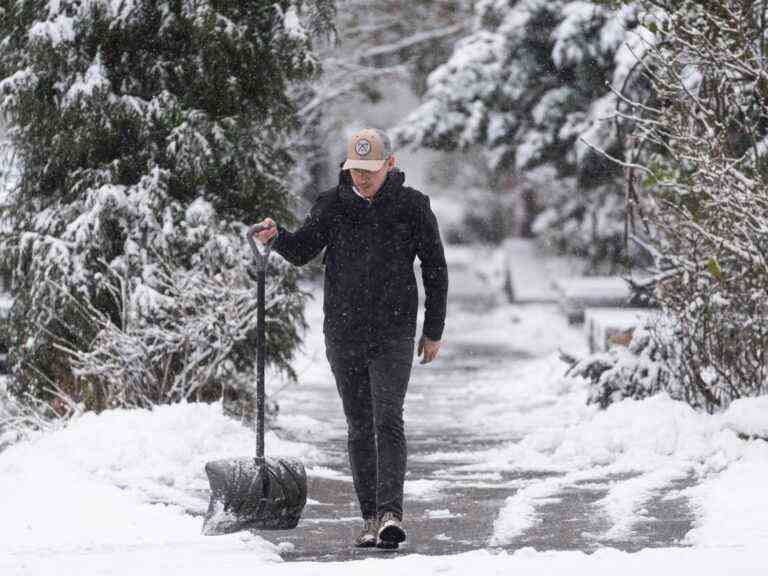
(367, 182)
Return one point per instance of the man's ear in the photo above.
(391, 162)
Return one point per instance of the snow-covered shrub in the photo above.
(697, 152)
(653, 361)
(636, 371)
(679, 356)
(526, 85)
(19, 417)
(720, 341)
(148, 136)
(187, 351)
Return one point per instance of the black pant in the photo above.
(372, 381)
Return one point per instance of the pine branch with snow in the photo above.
(148, 136)
(529, 81)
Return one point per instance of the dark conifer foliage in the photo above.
(149, 134)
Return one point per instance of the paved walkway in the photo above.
(448, 508)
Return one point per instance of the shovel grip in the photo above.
(252, 232)
(261, 257)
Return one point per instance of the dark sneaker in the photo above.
(391, 531)
(367, 536)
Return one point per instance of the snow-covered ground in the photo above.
(119, 493)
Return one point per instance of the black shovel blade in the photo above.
(243, 498)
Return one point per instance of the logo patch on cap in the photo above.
(363, 147)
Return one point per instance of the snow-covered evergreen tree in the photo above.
(379, 44)
(7, 176)
(149, 134)
(526, 85)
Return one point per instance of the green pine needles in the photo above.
(148, 134)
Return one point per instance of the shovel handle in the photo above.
(260, 365)
(261, 261)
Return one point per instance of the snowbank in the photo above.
(651, 444)
(122, 479)
(733, 505)
(207, 559)
(748, 417)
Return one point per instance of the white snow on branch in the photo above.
(57, 31)
(568, 35)
(95, 78)
(636, 43)
(18, 80)
(411, 41)
(293, 26)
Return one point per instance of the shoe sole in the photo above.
(366, 543)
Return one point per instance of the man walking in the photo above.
(372, 227)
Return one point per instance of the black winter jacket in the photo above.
(370, 285)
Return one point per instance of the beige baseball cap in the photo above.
(368, 150)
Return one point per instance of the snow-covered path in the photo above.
(505, 457)
(496, 381)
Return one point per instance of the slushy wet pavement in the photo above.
(452, 502)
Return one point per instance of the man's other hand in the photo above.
(268, 233)
(428, 349)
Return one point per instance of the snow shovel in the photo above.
(256, 493)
